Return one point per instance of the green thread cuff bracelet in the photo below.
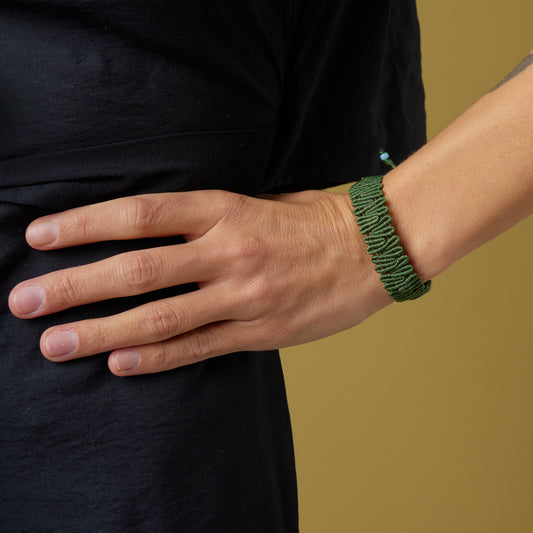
(375, 224)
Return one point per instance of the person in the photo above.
(196, 442)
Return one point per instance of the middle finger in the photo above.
(125, 274)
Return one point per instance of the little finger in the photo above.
(197, 345)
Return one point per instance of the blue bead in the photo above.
(384, 156)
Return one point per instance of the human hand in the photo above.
(272, 272)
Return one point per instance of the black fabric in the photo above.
(107, 99)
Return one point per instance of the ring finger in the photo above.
(149, 323)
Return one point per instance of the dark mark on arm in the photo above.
(519, 68)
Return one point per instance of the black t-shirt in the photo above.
(107, 99)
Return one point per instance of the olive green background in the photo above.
(421, 418)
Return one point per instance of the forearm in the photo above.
(470, 183)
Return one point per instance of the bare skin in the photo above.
(281, 270)
(471, 182)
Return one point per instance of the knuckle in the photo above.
(161, 359)
(233, 208)
(138, 271)
(249, 251)
(141, 214)
(271, 329)
(67, 290)
(83, 225)
(251, 246)
(231, 201)
(163, 321)
(201, 344)
(266, 332)
(255, 296)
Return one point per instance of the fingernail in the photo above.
(61, 343)
(126, 360)
(28, 300)
(42, 233)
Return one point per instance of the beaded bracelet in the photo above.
(391, 263)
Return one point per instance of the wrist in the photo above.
(416, 243)
(383, 244)
(427, 235)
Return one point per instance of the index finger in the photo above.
(191, 214)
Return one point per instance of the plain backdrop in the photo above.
(420, 419)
